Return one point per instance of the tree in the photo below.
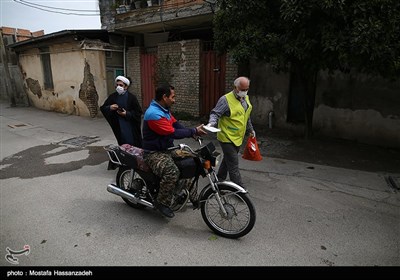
(308, 36)
(163, 67)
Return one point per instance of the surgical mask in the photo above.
(242, 93)
(120, 90)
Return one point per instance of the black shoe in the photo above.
(165, 210)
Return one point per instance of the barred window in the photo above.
(46, 67)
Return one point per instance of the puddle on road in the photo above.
(65, 158)
(50, 159)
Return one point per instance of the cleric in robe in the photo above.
(124, 114)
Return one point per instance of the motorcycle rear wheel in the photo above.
(241, 212)
(123, 180)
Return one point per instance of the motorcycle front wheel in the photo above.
(240, 217)
(124, 179)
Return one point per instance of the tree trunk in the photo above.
(308, 80)
(309, 100)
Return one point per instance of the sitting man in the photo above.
(160, 128)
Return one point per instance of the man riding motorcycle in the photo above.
(160, 128)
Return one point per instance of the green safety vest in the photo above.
(233, 128)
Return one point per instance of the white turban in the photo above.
(123, 79)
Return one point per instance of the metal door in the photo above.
(147, 72)
(212, 80)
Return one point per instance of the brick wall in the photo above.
(19, 34)
(133, 71)
(185, 58)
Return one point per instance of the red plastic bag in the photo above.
(251, 151)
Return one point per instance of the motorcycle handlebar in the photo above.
(174, 148)
(182, 147)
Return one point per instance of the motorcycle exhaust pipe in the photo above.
(117, 191)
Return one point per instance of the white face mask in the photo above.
(242, 93)
(120, 90)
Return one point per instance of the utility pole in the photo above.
(4, 60)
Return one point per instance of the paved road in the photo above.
(53, 198)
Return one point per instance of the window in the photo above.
(46, 67)
(119, 72)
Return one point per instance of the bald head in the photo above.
(242, 83)
(241, 86)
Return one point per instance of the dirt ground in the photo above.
(283, 144)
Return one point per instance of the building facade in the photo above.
(172, 42)
(70, 71)
(11, 86)
(173, 39)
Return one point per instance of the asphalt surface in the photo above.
(53, 198)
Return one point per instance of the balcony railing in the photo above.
(151, 4)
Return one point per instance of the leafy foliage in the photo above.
(318, 34)
(164, 69)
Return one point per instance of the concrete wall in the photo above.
(348, 106)
(78, 78)
(358, 107)
(17, 84)
(268, 92)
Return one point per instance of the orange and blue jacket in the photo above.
(160, 128)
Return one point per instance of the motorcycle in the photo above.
(225, 207)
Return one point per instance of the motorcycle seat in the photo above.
(135, 157)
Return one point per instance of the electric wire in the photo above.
(54, 9)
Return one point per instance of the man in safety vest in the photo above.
(232, 115)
